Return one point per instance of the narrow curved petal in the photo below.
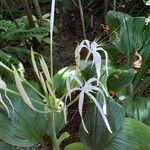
(104, 99)
(76, 79)
(106, 57)
(101, 111)
(68, 87)
(72, 90)
(80, 105)
(91, 80)
(97, 60)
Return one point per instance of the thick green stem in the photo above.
(53, 133)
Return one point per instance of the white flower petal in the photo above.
(68, 87)
(72, 90)
(76, 79)
(106, 58)
(97, 60)
(80, 105)
(104, 99)
(101, 111)
(3, 85)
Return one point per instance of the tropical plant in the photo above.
(127, 83)
(31, 110)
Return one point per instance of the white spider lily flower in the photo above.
(3, 86)
(87, 89)
(22, 90)
(93, 49)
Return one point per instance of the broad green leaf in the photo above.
(4, 146)
(25, 127)
(75, 146)
(138, 109)
(22, 34)
(133, 135)
(99, 135)
(60, 78)
(119, 79)
(130, 35)
(6, 25)
(115, 19)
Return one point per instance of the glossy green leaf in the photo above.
(131, 33)
(133, 135)
(5, 146)
(75, 146)
(25, 127)
(99, 135)
(128, 134)
(22, 34)
(119, 79)
(138, 108)
(6, 25)
(60, 78)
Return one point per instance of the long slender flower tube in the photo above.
(93, 49)
(88, 88)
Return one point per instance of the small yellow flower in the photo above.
(112, 94)
(117, 36)
(115, 76)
